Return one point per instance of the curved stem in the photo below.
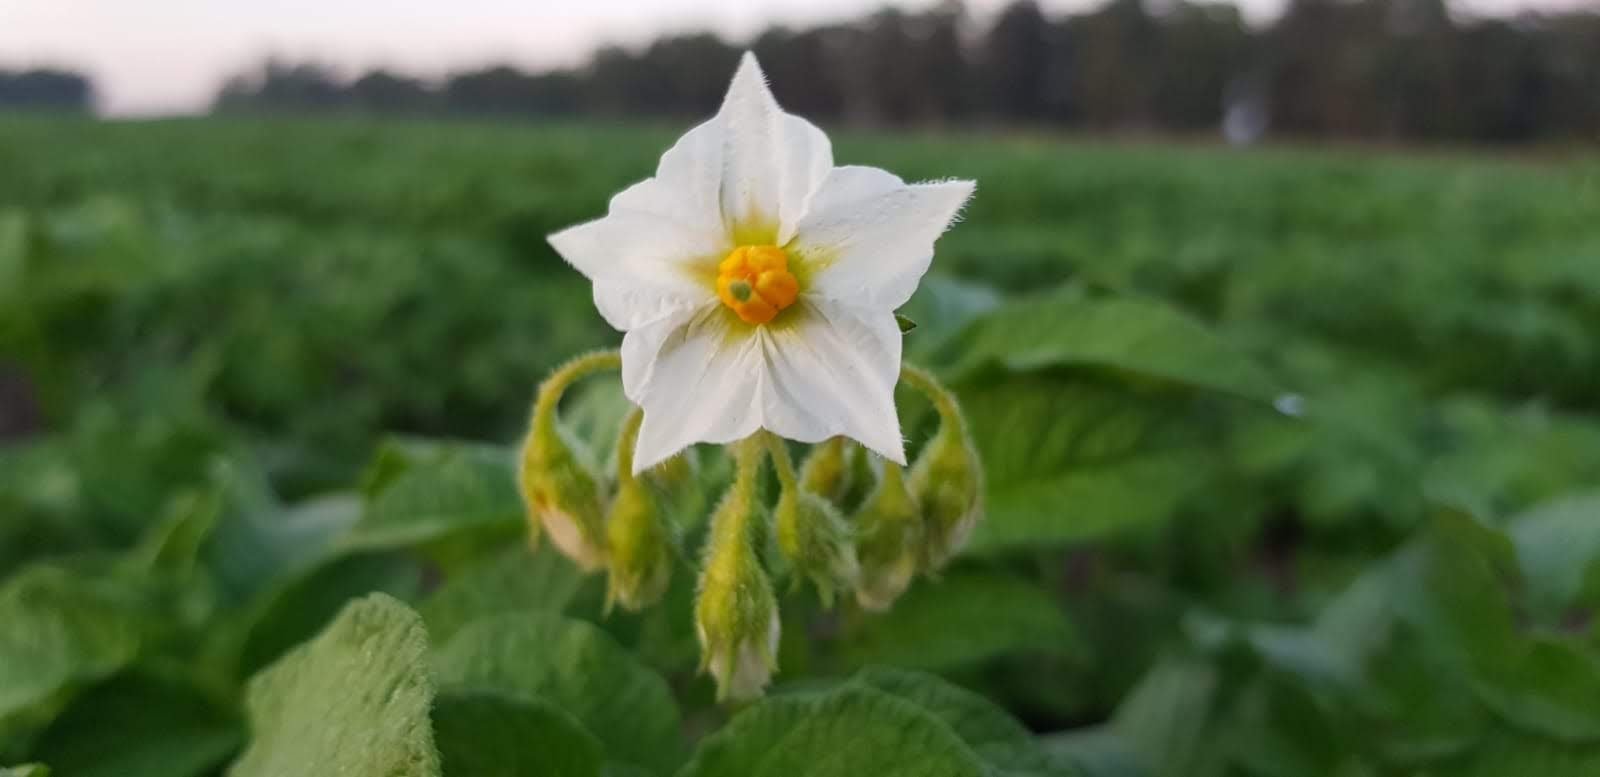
(943, 400)
(626, 440)
(781, 462)
(550, 391)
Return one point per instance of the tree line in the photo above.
(45, 89)
(1406, 70)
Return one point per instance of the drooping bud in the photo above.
(677, 472)
(827, 472)
(890, 528)
(947, 482)
(735, 611)
(638, 547)
(637, 542)
(563, 496)
(947, 479)
(815, 540)
(559, 487)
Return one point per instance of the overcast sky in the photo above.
(169, 56)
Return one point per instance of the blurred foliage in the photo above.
(1292, 462)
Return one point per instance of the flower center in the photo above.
(755, 282)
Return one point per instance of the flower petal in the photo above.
(832, 372)
(643, 265)
(771, 161)
(697, 380)
(868, 236)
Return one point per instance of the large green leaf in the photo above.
(1074, 460)
(303, 605)
(515, 579)
(259, 545)
(962, 619)
(450, 492)
(578, 668)
(1146, 337)
(140, 726)
(62, 629)
(354, 701)
(483, 734)
(849, 732)
(998, 739)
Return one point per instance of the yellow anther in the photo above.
(755, 282)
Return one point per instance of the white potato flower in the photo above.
(756, 282)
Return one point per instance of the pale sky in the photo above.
(169, 56)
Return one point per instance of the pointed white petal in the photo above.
(644, 265)
(771, 161)
(697, 379)
(833, 372)
(869, 236)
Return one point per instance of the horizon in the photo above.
(170, 59)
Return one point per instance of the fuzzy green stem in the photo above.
(782, 463)
(733, 525)
(943, 400)
(626, 441)
(550, 391)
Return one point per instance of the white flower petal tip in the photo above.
(714, 354)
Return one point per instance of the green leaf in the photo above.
(1558, 550)
(578, 668)
(1096, 751)
(1168, 720)
(1543, 683)
(963, 619)
(483, 734)
(174, 544)
(997, 738)
(1146, 337)
(354, 701)
(1508, 753)
(140, 726)
(26, 770)
(1074, 460)
(62, 630)
(513, 580)
(1547, 685)
(944, 306)
(848, 732)
(258, 545)
(459, 491)
(302, 606)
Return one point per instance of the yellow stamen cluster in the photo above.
(755, 282)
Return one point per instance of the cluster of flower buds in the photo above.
(842, 523)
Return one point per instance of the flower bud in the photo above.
(677, 472)
(736, 613)
(947, 482)
(562, 494)
(813, 537)
(639, 552)
(890, 529)
(826, 471)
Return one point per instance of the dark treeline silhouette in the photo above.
(1377, 69)
(45, 89)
